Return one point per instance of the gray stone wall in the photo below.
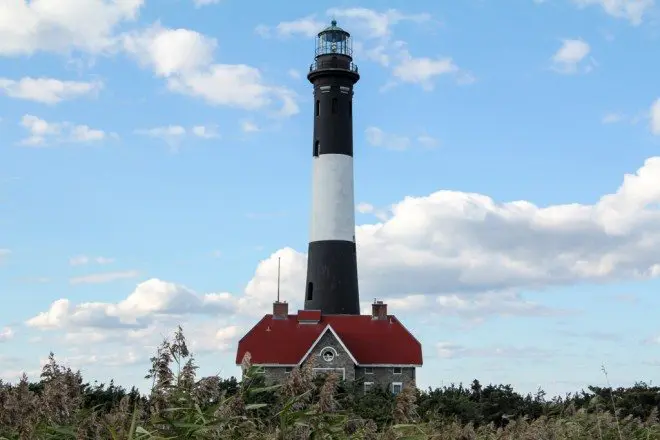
(384, 376)
(341, 360)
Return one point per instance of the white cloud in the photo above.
(150, 299)
(378, 138)
(43, 132)
(376, 24)
(170, 51)
(631, 10)
(422, 70)
(293, 73)
(448, 350)
(47, 90)
(81, 260)
(185, 59)
(235, 85)
(613, 118)
(450, 244)
(568, 57)
(107, 277)
(6, 334)
(654, 115)
(85, 25)
(171, 134)
(449, 253)
(205, 132)
(307, 26)
(200, 3)
(249, 127)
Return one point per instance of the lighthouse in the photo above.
(332, 276)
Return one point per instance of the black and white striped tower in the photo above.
(332, 277)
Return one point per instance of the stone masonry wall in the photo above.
(384, 376)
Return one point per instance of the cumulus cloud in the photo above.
(571, 56)
(47, 90)
(84, 25)
(631, 10)
(150, 299)
(185, 59)
(449, 253)
(44, 133)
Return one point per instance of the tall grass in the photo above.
(179, 406)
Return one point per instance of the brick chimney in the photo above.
(379, 310)
(280, 310)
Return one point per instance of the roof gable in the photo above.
(327, 329)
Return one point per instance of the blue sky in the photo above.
(155, 164)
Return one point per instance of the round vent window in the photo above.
(328, 355)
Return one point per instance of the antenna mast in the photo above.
(278, 278)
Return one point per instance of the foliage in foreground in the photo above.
(62, 406)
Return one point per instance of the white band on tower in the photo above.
(333, 215)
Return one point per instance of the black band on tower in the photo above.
(332, 279)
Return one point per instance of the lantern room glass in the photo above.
(334, 40)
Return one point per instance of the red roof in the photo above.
(370, 341)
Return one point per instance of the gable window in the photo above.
(328, 354)
(396, 387)
(334, 105)
(396, 370)
(368, 370)
(368, 386)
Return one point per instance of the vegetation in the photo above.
(62, 406)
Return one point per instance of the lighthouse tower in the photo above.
(332, 279)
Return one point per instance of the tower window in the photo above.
(350, 108)
(316, 148)
(334, 105)
(310, 291)
(317, 109)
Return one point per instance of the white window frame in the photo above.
(331, 349)
(399, 384)
(368, 368)
(367, 386)
(288, 370)
(395, 372)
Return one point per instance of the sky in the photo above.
(155, 163)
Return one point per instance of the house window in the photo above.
(396, 387)
(317, 110)
(396, 370)
(317, 144)
(368, 386)
(261, 369)
(368, 370)
(328, 354)
(334, 105)
(288, 370)
(310, 291)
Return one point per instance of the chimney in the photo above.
(280, 310)
(379, 310)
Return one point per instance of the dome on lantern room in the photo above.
(333, 40)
